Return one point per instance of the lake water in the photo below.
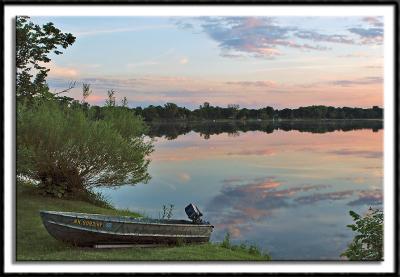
(285, 187)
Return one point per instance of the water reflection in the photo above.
(286, 191)
(239, 205)
(232, 128)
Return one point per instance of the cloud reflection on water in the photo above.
(240, 204)
(287, 191)
(359, 153)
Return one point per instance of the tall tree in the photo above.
(171, 110)
(34, 43)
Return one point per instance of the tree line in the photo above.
(171, 111)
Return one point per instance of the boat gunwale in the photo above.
(131, 220)
(124, 234)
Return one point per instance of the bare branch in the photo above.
(71, 85)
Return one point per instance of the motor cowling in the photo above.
(193, 213)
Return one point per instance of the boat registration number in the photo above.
(85, 222)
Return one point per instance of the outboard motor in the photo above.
(193, 213)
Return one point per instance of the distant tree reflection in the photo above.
(233, 128)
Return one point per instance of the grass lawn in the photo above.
(35, 244)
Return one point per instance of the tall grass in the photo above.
(249, 248)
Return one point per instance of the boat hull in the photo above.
(91, 229)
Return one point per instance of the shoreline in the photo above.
(34, 243)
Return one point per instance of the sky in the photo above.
(283, 62)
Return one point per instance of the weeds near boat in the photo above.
(249, 248)
(167, 212)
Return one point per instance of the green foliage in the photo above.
(98, 199)
(234, 112)
(249, 248)
(171, 110)
(33, 45)
(253, 249)
(58, 143)
(47, 187)
(25, 160)
(226, 243)
(367, 245)
(124, 121)
(60, 146)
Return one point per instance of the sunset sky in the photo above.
(250, 61)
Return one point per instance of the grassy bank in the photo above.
(34, 243)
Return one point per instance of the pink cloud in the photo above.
(95, 99)
(61, 71)
(373, 20)
(254, 213)
(258, 152)
(265, 84)
(184, 177)
(347, 91)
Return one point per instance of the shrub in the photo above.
(226, 243)
(368, 243)
(68, 153)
